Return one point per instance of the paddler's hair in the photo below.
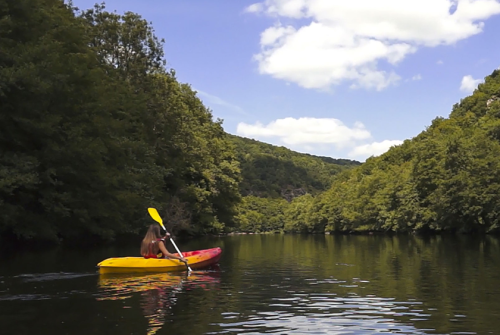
(147, 245)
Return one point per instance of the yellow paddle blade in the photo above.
(154, 214)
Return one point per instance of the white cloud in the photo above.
(212, 99)
(416, 77)
(351, 40)
(320, 136)
(373, 149)
(306, 131)
(469, 84)
(254, 8)
(439, 62)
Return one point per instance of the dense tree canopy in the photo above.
(277, 172)
(94, 129)
(445, 179)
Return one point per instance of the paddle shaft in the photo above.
(177, 249)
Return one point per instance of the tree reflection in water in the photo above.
(158, 292)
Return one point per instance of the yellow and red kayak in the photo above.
(196, 259)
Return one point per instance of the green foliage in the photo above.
(274, 172)
(261, 214)
(278, 185)
(445, 179)
(51, 129)
(94, 129)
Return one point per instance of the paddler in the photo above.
(153, 245)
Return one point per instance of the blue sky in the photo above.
(345, 79)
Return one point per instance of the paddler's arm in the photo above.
(165, 252)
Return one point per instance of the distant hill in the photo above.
(271, 171)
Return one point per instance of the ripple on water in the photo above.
(25, 297)
(51, 276)
(328, 313)
(39, 286)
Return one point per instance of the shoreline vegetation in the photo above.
(95, 128)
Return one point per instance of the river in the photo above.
(279, 284)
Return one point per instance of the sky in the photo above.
(337, 78)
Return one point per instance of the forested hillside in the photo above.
(277, 172)
(94, 129)
(275, 177)
(445, 179)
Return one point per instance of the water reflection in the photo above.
(158, 292)
(281, 284)
(317, 311)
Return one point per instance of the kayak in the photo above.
(196, 259)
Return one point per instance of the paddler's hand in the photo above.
(183, 260)
(167, 235)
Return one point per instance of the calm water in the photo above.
(291, 284)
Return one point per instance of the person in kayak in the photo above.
(153, 244)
